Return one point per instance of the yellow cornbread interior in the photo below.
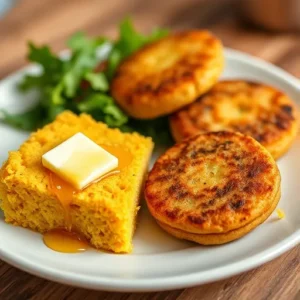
(105, 212)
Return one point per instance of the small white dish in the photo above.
(159, 261)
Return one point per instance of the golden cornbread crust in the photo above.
(220, 238)
(212, 183)
(254, 109)
(168, 74)
(105, 212)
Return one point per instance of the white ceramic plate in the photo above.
(159, 261)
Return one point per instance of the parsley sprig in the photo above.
(81, 83)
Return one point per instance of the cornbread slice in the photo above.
(105, 212)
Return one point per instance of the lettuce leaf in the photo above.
(77, 84)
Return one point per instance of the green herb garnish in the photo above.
(80, 85)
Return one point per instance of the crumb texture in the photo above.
(105, 212)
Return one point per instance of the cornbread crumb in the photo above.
(105, 212)
(280, 213)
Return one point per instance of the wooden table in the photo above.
(51, 21)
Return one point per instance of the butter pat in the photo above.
(79, 161)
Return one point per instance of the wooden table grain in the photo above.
(52, 21)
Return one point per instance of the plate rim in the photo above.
(154, 285)
(171, 281)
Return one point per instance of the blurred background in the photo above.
(269, 29)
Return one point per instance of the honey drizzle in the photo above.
(66, 239)
(64, 192)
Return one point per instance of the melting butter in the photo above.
(66, 239)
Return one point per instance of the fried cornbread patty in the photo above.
(213, 183)
(260, 111)
(105, 212)
(220, 238)
(168, 74)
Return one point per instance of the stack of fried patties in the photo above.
(220, 180)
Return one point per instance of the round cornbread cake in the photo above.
(220, 238)
(254, 109)
(214, 183)
(168, 74)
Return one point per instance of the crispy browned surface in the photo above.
(212, 183)
(168, 74)
(260, 111)
(221, 238)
